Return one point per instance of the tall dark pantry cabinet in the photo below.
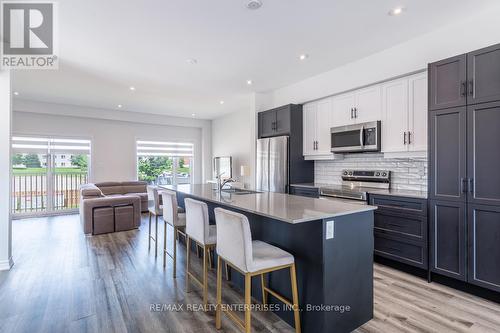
(464, 167)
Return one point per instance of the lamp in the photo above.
(244, 172)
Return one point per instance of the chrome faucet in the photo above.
(222, 183)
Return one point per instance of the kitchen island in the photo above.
(332, 243)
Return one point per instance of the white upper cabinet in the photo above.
(395, 116)
(317, 123)
(404, 120)
(309, 128)
(343, 110)
(324, 123)
(368, 105)
(418, 113)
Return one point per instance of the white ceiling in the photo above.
(107, 46)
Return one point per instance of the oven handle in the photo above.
(361, 136)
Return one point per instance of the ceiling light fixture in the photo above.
(16, 93)
(221, 102)
(120, 106)
(396, 11)
(193, 115)
(249, 82)
(303, 56)
(132, 88)
(192, 61)
(254, 4)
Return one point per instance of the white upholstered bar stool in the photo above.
(177, 220)
(154, 208)
(250, 258)
(198, 229)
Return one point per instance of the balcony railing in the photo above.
(30, 193)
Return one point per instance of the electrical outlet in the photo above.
(330, 229)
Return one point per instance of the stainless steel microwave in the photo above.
(356, 138)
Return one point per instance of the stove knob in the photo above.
(345, 173)
(377, 174)
(384, 174)
(350, 173)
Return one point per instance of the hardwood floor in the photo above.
(63, 281)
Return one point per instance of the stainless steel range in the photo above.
(356, 184)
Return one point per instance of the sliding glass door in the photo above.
(47, 174)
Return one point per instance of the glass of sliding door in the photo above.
(47, 174)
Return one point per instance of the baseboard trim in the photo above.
(6, 265)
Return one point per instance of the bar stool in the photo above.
(154, 208)
(199, 230)
(177, 220)
(250, 258)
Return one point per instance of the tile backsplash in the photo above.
(406, 173)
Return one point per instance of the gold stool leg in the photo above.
(205, 276)
(218, 309)
(175, 251)
(188, 245)
(165, 244)
(263, 287)
(156, 236)
(149, 243)
(295, 296)
(248, 294)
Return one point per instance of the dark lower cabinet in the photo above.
(310, 192)
(400, 229)
(484, 246)
(448, 83)
(448, 238)
(483, 74)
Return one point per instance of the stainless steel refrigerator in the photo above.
(272, 164)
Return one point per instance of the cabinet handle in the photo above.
(352, 110)
(470, 185)
(409, 137)
(356, 113)
(404, 138)
(276, 125)
(463, 89)
(463, 185)
(471, 88)
(317, 144)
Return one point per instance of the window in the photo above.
(165, 163)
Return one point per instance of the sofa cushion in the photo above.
(108, 188)
(134, 187)
(90, 190)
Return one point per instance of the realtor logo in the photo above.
(28, 35)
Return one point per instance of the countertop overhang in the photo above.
(280, 206)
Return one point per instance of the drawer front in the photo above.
(414, 227)
(399, 205)
(399, 250)
(304, 191)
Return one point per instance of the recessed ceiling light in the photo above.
(303, 56)
(193, 115)
(120, 106)
(249, 82)
(192, 61)
(221, 102)
(132, 88)
(396, 11)
(16, 93)
(254, 4)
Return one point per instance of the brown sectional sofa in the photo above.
(112, 206)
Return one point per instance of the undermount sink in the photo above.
(238, 191)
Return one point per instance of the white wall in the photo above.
(113, 135)
(233, 135)
(5, 131)
(473, 32)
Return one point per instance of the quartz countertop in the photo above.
(284, 207)
(370, 190)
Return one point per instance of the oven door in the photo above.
(356, 138)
